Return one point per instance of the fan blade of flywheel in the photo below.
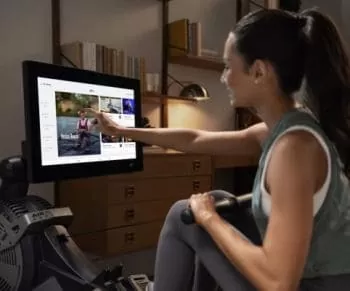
(9, 273)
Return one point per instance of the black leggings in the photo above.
(188, 259)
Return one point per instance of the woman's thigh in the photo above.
(208, 253)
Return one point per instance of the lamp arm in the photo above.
(175, 81)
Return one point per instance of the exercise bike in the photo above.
(36, 251)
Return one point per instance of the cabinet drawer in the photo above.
(92, 201)
(84, 198)
(120, 240)
(182, 165)
(138, 213)
(171, 165)
(131, 190)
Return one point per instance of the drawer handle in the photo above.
(129, 237)
(129, 191)
(196, 185)
(129, 214)
(196, 165)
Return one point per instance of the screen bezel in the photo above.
(37, 173)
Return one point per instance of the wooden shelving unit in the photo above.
(148, 98)
(197, 62)
(155, 98)
(186, 60)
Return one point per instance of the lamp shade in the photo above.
(195, 91)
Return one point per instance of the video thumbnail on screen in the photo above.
(76, 130)
(128, 106)
(111, 105)
(120, 107)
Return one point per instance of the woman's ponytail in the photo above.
(327, 76)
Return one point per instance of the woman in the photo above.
(83, 128)
(301, 197)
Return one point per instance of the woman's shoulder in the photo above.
(301, 149)
(259, 131)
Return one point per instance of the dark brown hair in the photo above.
(305, 46)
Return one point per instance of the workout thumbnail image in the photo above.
(111, 104)
(76, 130)
(115, 139)
(128, 106)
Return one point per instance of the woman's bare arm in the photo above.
(295, 172)
(241, 142)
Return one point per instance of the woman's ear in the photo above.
(259, 71)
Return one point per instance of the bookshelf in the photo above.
(186, 60)
(156, 98)
(178, 49)
(197, 62)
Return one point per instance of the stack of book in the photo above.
(185, 39)
(96, 57)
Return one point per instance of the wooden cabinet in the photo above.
(123, 213)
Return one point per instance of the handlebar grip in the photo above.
(222, 206)
(187, 216)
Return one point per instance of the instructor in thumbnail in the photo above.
(83, 128)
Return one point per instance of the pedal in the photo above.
(139, 281)
(116, 272)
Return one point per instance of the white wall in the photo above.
(217, 18)
(25, 33)
(345, 19)
(333, 8)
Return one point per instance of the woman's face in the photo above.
(241, 81)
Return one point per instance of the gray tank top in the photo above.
(330, 246)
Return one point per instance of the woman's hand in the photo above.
(203, 207)
(105, 124)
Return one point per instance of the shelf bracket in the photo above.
(165, 64)
(56, 31)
